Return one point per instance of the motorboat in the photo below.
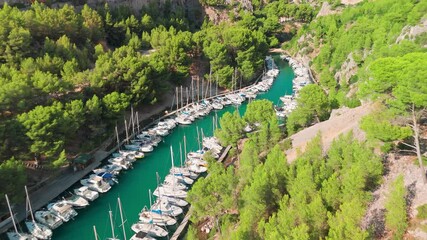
(148, 216)
(146, 148)
(170, 122)
(224, 101)
(96, 183)
(197, 168)
(131, 155)
(141, 236)
(179, 178)
(166, 208)
(107, 177)
(121, 162)
(170, 192)
(128, 156)
(150, 229)
(48, 218)
(85, 192)
(63, 210)
(38, 230)
(110, 168)
(183, 120)
(172, 183)
(174, 201)
(198, 154)
(216, 104)
(76, 201)
(196, 161)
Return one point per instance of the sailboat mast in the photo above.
(186, 94)
(118, 140)
(185, 147)
(213, 124)
(177, 103)
(149, 191)
(198, 136)
(202, 89)
(94, 231)
(111, 222)
(29, 204)
(121, 217)
(132, 119)
(198, 88)
(127, 134)
(11, 214)
(182, 94)
(192, 90)
(171, 155)
(137, 121)
(180, 152)
(203, 136)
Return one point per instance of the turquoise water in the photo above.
(134, 184)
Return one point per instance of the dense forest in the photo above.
(68, 74)
(358, 55)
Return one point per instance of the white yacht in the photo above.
(76, 201)
(196, 161)
(48, 218)
(148, 216)
(179, 178)
(170, 192)
(184, 171)
(166, 208)
(86, 193)
(62, 210)
(96, 183)
(110, 168)
(174, 201)
(121, 162)
(197, 168)
(132, 154)
(150, 229)
(183, 120)
(172, 183)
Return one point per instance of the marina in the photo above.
(135, 183)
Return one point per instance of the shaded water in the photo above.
(134, 184)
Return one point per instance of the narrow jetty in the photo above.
(182, 226)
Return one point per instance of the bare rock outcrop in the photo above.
(341, 121)
(411, 32)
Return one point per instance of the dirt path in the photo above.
(341, 121)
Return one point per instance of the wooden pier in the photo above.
(182, 226)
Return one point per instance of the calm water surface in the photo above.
(134, 184)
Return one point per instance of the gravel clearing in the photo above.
(341, 121)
